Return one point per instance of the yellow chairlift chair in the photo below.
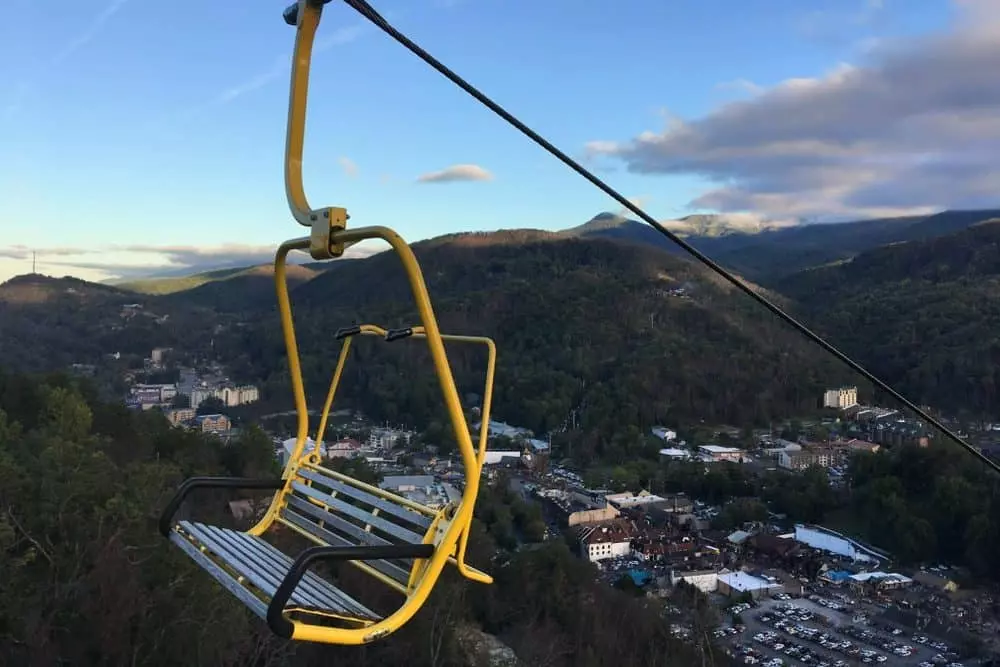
(401, 543)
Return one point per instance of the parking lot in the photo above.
(788, 631)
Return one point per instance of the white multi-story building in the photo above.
(386, 438)
(607, 540)
(154, 393)
(231, 396)
(826, 457)
(841, 398)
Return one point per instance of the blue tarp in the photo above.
(640, 577)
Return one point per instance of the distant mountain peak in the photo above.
(697, 224)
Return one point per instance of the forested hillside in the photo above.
(924, 315)
(630, 334)
(87, 579)
(47, 324)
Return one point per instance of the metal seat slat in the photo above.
(386, 567)
(358, 513)
(320, 584)
(306, 594)
(398, 511)
(259, 574)
(265, 567)
(254, 603)
(346, 528)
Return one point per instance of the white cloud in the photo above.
(640, 202)
(916, 129)
(741, 86)
(347, 164)
(143, 260)
(458, 172)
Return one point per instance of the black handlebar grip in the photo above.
(397, 334)
(345, 332)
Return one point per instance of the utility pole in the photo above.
(33, 262)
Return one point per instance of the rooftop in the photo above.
(396, 481)
(743, 582)
(674, 452)
(718, 449)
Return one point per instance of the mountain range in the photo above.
(600, 320)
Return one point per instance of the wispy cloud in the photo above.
(841, 25)
(90, 32)
(458, 172)
(347, 164)
(24, 252)
(741, 85)
(279, 68)
(132, 261)
(22, 88)
(641, 202)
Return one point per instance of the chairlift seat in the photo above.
(386, 535)
(252, 569)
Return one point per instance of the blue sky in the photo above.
(145, 134)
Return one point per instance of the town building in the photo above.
(855, 445)
(628, 500)
(581, 517)
(833, 542)
(826, 457)
(385, 438)
(347, 448)
(878, 581)
(212, 423)
(774, 547)
(607, 540)
(719, 453)
(758, 586)
(500, 457)
(178, 416)
(664, 433)
(230, 395)
(159, 355)
(841, 398)
(497, 429)
(149, 395)
(706, 581)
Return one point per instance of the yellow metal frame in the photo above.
(491, 361)
(455, 535)
(328, 238)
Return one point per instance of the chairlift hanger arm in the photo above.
(367, 11)
(306, 15)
